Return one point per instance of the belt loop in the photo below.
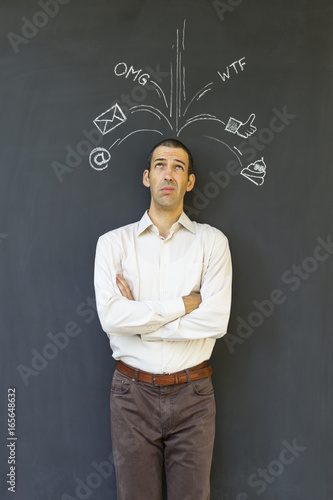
(136, 375)
(188, 375)
(153, 376)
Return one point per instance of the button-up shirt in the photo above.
(152, 332)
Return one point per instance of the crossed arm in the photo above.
(191, 317)
(191, 301)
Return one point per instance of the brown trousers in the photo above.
(162, 426)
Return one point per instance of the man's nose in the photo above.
(168, 173)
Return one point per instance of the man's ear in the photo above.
(145, 178)
(191, 182)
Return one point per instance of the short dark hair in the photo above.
(173, 143)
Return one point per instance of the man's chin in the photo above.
(167, 203)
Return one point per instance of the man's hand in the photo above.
(123, 287)
(192, 302)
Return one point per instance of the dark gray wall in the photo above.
(273, 371)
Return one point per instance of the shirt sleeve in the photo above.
(117, 314)
(210, 319)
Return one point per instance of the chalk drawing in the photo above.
(199, 118)
(110, 119)
(148, 109)
(143, 78)
(115, 142)
(177, 107)
(199, 92)
(159, 89)
(242, 129)
(99, 158)
(233, 65)
(255, 172)
(233, 152)
(141, 130)
(171, 89)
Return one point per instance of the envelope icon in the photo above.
(110, 119)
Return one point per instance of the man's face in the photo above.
(168, 178)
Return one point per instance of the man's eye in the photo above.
(180, 166)
(158, 165)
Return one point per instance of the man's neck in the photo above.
(164, 219)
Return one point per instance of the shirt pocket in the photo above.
(189, 276)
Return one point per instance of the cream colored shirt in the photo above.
(152, 332)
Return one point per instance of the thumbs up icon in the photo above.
(242, 129)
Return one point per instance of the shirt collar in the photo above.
(186, 222)
(146, 222)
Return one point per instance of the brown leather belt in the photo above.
(196, 373)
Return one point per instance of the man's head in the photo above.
(173, 143)
(169, 175)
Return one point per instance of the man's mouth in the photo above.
(167, 189)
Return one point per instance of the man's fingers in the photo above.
(192, 302)
(123, 287)
(197, 296)
(121, 280)
(122, 283)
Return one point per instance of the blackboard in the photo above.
(247, 86)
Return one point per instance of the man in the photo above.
(163, 291)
